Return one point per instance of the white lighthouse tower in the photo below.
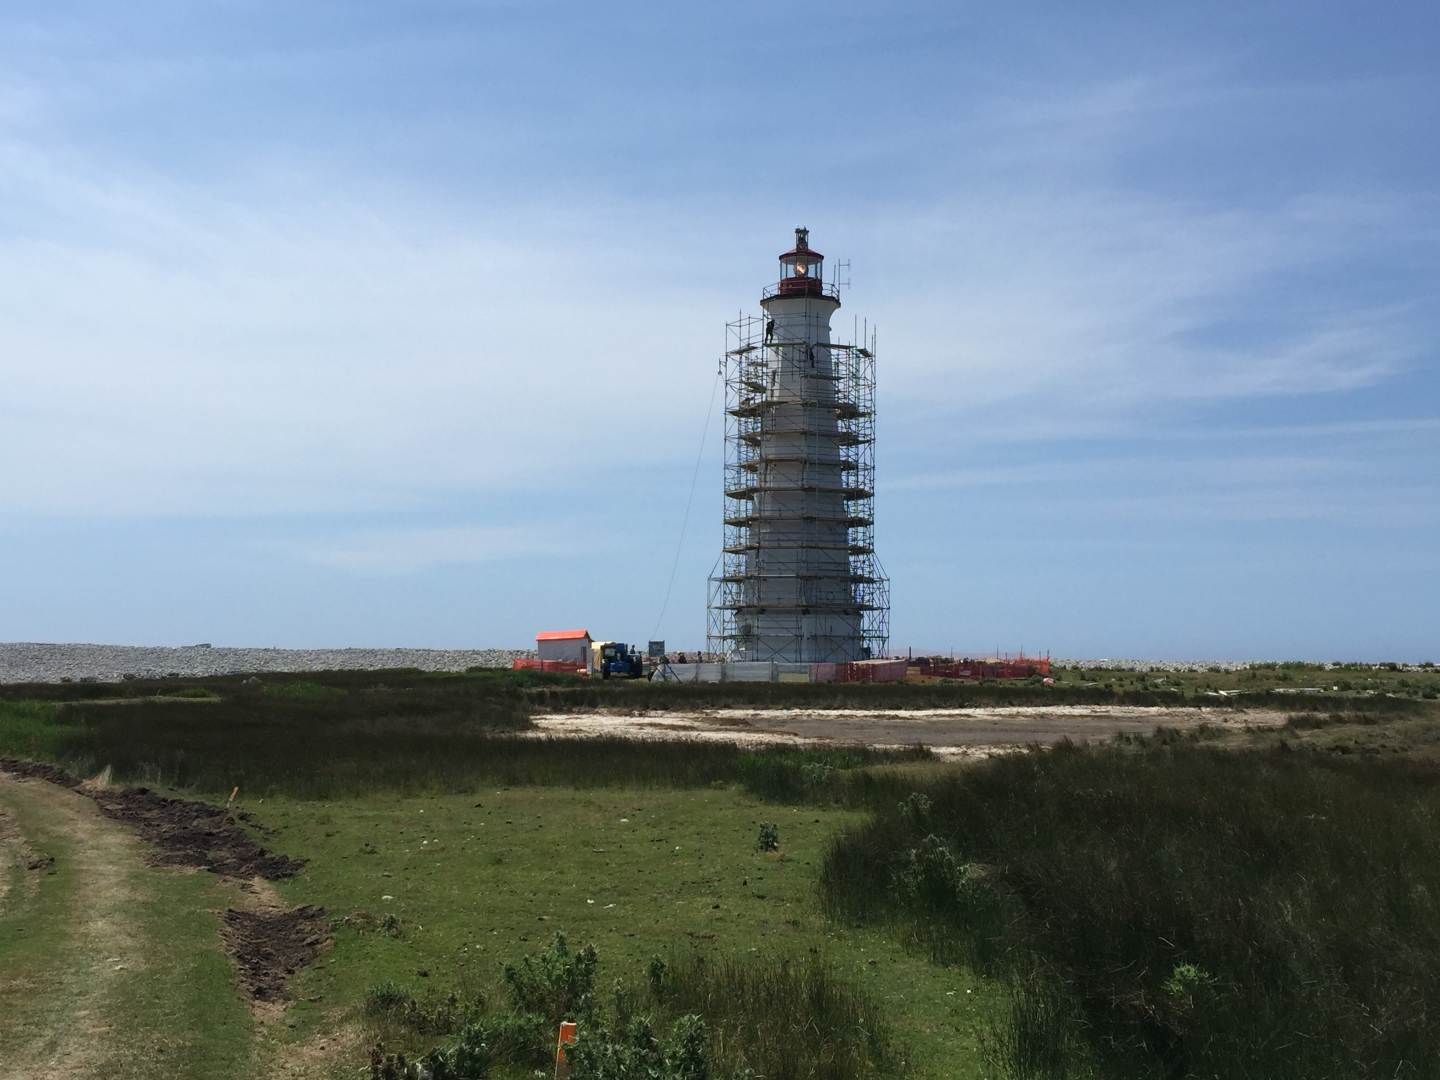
(799, 581)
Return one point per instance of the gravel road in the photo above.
(32, 662)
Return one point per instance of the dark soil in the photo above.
(36, 770)
(268, 947)
(195, 834)
(186, 833)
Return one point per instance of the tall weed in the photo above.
(1216, 914)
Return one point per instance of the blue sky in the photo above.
(364, 324)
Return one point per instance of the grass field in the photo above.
(1302, 681)
(661, 837)
(473, 887)
(1009, 928)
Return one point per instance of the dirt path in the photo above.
(90, 950)
(111, 958)
(951, 732)
(19, 864)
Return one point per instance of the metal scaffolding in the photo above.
(798, 576)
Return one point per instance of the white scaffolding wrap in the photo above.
(799, 580)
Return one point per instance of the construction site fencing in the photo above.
(776, 671)
(565, 667)
(1002, 667)
(859, 671)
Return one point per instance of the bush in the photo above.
(769, 839)
(389, 1003)
(467, 1058)
(636, 1054)
(518, 1038)
(691, 1018)
(556, 984)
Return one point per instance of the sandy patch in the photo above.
(974, 732)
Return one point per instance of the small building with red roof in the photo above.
(566, 645)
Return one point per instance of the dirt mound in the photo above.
(195, 834)
(269, 946)
(36, 770)
(187, 833)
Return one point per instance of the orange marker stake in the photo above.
(568, 1035)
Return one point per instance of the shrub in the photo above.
(691, 1018)
(467, 1058)
(637, 1054)
(434, 1014)
(387, 1001)
(519, 1038)
(769, 838)
(557, 984)
(915, 810)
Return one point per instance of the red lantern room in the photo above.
(801, 270)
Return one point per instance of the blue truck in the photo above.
(617, 658)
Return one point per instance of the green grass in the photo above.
(782, 1017)
(1211, 913)
(474, 887)
(303, 690)
(1298, 886)
(1372, 686)
(698, 1014)
(1334, 681)
(316, 741)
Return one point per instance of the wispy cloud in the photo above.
(461, 264)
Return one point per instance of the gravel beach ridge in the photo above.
(26, 662)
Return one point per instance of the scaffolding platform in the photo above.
(799, 500)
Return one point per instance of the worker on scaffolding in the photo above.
(769, 330)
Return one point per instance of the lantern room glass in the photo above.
(801, 265)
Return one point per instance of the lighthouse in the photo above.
(799, 581)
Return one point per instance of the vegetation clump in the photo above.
(1191, 912)
(389, 1003)
(412, 734)
(769, 838)
(692, 1017)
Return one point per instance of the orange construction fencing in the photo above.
(529, 663)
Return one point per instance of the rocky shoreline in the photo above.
(22, 662)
